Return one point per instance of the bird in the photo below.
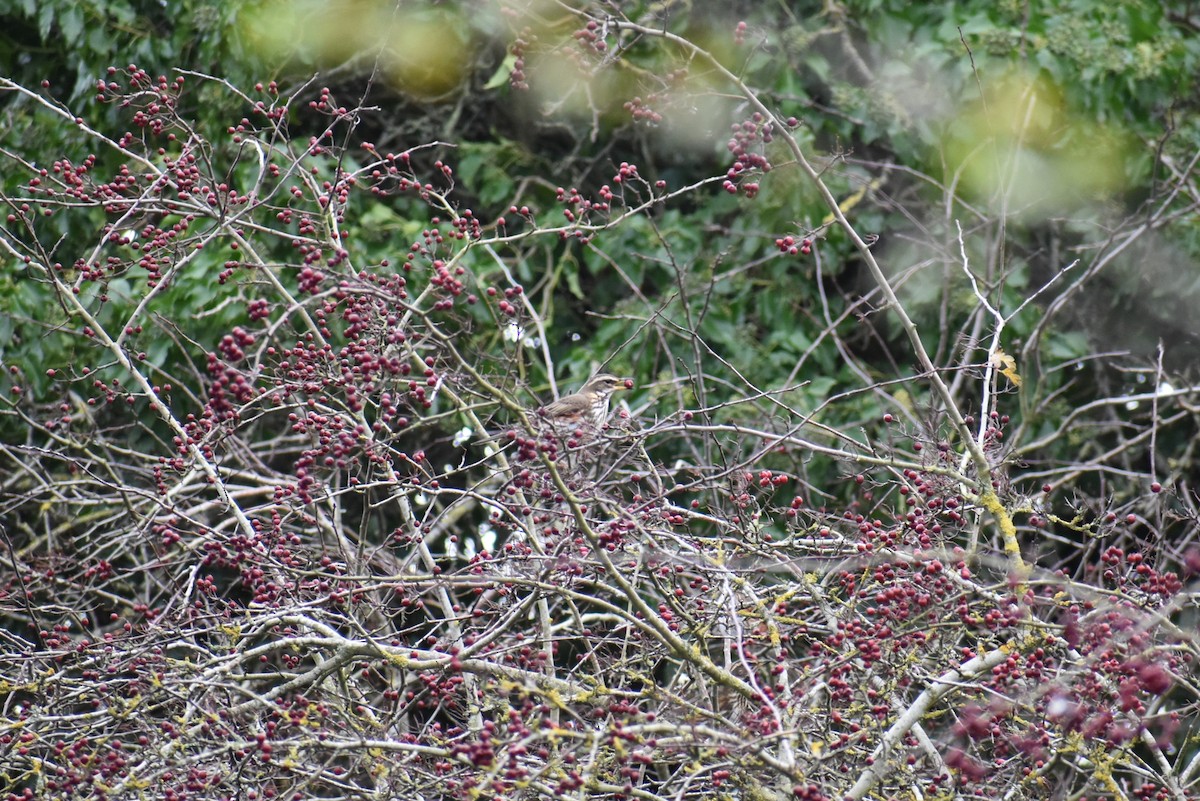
(586, 409)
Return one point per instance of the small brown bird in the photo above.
(586, 409)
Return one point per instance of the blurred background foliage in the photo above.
(1050, 131)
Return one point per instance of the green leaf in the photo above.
(503, 73)
(1067, 345)
(71, 24)
(45, 20)
(379, 216)
(820, 387)
(573, 283)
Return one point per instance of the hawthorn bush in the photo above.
(280, 519)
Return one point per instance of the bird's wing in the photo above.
(571, 404)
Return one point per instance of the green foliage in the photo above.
(351, 293)
(76, 42)
(993, 114)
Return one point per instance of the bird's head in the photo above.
(605, 384)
